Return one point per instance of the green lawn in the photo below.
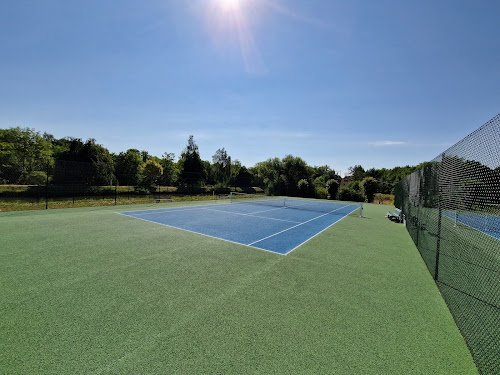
(87, 291)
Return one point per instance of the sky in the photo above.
(376, 83)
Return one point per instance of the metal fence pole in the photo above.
(47, 188)
(440, 214)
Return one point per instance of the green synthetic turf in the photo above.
(88, 291)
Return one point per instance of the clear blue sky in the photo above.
(376, 83)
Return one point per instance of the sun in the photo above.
(229, 5)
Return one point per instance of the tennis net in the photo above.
(298, 204)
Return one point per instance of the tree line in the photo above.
(28, 157)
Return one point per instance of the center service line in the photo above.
(298, 225)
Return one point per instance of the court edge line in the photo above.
(295, 226)
(477, 230)
(343, 217)
(191, 207)
(251, 215)
(201, 234)
(173, 210)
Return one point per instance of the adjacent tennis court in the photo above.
(486, 224)
(276, 225)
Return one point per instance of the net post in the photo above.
(361, 209)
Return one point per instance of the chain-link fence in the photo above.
(452, 212)
(79, 184)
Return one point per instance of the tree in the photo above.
(326, 173)
(303, 187)
(221, 167)
(369, 187)
(346, 194)
(151, 172)
(191, 166)
(88, 163)
(332, 187)
(128, 166)
(23, 151)
(269, 173)
(294, 170)
(170, 171)
(243, 178)
(357, 172)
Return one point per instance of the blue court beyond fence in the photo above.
(486, 224)
(279, 226)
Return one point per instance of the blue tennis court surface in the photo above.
(279, 226)
(489, 225)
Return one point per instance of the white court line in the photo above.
(298, 225)
(335, 222)
(476, 229)
(251, 215)
(202, 234)
(162, 211)
(234, 242)
(157, 211)
(165, 210)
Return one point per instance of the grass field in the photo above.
(87, 291)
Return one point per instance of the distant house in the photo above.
(345, 180)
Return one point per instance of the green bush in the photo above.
(369, 187)
(332, 187)
(320, 192)
(142, 190)
(37, 178)
(303, 187)
(346, 194)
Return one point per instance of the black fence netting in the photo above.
(68, 183)
(452, 212)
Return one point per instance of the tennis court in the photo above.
(92, 291)
(276, 225)
(489, 225)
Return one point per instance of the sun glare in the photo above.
(230, 24)
(229, 5)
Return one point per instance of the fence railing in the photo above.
(452, 212)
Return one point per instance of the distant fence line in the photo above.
(70, 183)
(452, 212)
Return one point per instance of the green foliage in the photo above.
(269, 173)
(320, 192)
(37, 178)
(347, 194)
(369, 187)
(303, 187)
(128, 166)
(243, 177)
(88, 163)
(170, 170)
(22, 152)
(142, 190)
(192, 171)
(325, 172)
(332, 187)
(25, 156)
(151, 172)
(319, 182)
(295, 169)
(357, 172)
(354, 185)
(221, 167)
